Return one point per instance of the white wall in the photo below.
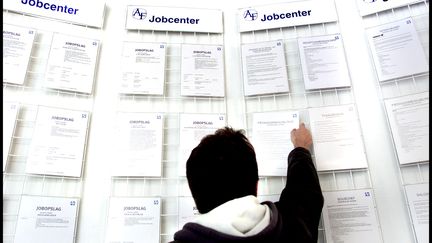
(97, 186)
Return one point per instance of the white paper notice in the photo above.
(350, 217)
(143, 68)
(409, 123)
(17, 46)
(139, 140)
(10, 112)
(46, 219)
(271, 138)
(133, 220)
(271, 198)
(202, 70)
(187, 211)
(264, 68)
(58, 143)
(71, 63)
(337, 138)
(392, 45)
(193, 127)
(323, 62)
(418, 201)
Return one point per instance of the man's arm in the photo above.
(301, 200)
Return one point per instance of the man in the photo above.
(222, 173)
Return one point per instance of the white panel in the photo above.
(83, 12)
(173, 19)
(286, 14)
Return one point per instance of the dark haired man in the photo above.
(222, 173)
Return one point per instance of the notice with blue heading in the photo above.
(350, 217)
(188, 211)
(71, 63)
(202, 70)
(323, 62)
(139, 142)
(46, 219)
(143, 68)
(264, 68)
(133, 220)
(193, 127)
(271, 138)
(392, 45)
(58, 142)
(17, 46)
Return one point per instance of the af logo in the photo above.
(139, 13)
(250, 15)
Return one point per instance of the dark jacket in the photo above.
(294, 218)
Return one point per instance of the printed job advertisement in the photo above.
(264, 68)
(323, 62)
(10, 112)
(71, 63)
(350, 217)
(418, 202)
(202, 70)
(392, 45)
(133, 220)
(409, 122)
(271, 138)
(46, 219)
(271, 198)
(193, 127)
(139, 143)
(58, 142)
(143, 68)
(17, 46)
(337, 139)
(187, 211)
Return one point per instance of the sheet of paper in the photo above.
(418, 202)
(271, 198)
(409, 122)
(202, 70)
(143, 68)
(323, 62)
(71, 63)
(187, 211)
(17, 46)
(350, 217)
(271, 138)
(46, 219)
(133, 220)
(392, 45)
(264, 68)
(139, 143)
(10, 112)
(58, 142)
(194, 127)
(337, 139)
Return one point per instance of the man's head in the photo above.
(221, 168)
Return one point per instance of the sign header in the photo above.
(173, 19)
(286, 14)
(90, 13)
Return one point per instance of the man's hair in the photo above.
(221, 168)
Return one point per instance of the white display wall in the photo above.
(96, 186)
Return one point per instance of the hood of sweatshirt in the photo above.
(239, 220)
